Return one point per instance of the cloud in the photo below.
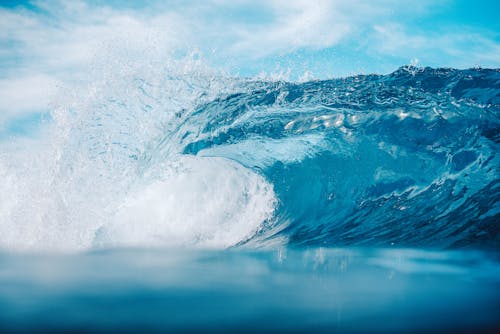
(53, 42)
(60, 42)
(299, 24)
(26, 94)
(59, 35)
(60, 38)
(22, 96)
(461, 48)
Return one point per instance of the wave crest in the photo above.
(181, 155)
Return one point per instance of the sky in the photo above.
(47, 44)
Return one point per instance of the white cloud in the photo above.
(61, 40)
(62, 43)
(392, 39)
(298, 24)
(64, 35)
(26, 94)
(462, 48)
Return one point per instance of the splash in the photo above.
(173, 153)
(90, 182)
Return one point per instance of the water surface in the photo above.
(346, 290)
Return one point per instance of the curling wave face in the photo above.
(181, 156)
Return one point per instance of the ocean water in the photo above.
(171, 197)
(316, 290)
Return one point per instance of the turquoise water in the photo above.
(351, 290)
(175, 199)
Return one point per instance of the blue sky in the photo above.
(46, 44)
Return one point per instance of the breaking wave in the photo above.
(180, 155)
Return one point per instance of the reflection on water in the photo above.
(343, 290)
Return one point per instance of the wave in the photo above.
(178, 155)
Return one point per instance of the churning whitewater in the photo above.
(179, 155)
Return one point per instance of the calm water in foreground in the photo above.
(314, 290)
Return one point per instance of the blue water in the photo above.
(406, 159)
(320, 290)
(184, 200)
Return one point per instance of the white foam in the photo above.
(200, 201)
(90, 171)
